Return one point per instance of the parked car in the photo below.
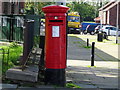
(98, 28)
(91, 28)
(84, 25)
(110, 30)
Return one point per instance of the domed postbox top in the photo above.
(55, 9)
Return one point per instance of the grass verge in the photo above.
(10, 56)
(71, 85)
(91, 66)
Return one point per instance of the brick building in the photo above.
(11, 20)
(7, 8)
(108, 13)
(0, 6)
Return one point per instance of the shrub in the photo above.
(14, 44)
(10, 59)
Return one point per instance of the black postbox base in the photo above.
(55, 77)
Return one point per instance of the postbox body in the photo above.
(55, 37)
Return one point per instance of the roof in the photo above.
(111, 6)
(97, 19)
(107, 5)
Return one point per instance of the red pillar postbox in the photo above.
(55, 43)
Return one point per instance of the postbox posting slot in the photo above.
(55, 20)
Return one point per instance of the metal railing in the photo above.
(2, 55)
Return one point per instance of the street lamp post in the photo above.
(11, 37)
(117, 19)
(101, 17)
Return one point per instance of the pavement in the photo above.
(104, 73)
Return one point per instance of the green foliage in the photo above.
(15, 53)
(87, 46)
(36, 41)
(91, 66)
(87, 11)
(35, 7)
(14, 44)
(29, 8)
(11, 55)
(71, 85)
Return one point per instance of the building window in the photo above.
(4, 23)
(19, 21)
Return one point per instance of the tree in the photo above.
(86, 11)
(29, 8)
(35, 7)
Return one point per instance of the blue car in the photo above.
(91, 28)
(84, 25)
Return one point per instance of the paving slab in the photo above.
(13, 86)
(98, 76)
(63, 88)
(21, 87)
(46, 86)
(0, 86)
(86, 86)
(68, 80)
(79, 70)
(29, 74)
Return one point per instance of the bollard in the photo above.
(92, 53)
(87, 42)
(100, 37)
(116, 41)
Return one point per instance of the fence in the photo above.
(12, 26)
(4, 56)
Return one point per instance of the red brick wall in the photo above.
(22, 5)
(16, 8)
(113, 16)
(0, 6)
(6, 8)
(119, 16)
